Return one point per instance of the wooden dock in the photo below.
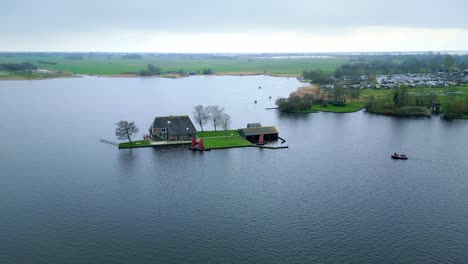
(109, 142)
(169, 143)
(271, 147)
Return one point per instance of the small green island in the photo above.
(179, 130)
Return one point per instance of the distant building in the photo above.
(434, 106)
(252, 134)
(172, 128)
(328, 86)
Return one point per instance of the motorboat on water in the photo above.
(399, 156)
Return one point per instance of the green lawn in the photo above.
(221, 139)
(226, 142)
(115, 64)
(135, 144)
(217, 133)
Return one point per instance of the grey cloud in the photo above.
(23, 16)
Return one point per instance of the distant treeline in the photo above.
(394, 64)
(316, 76)
(150, 71)
(431, 63)
(25, 66)
(47, 62)
(74, 57)
(131, 56)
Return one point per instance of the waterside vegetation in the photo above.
(401, 101)
(396, 85)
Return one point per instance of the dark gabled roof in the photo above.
(250, 125)
(176, 125)
(259, 130)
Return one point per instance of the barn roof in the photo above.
(253, 131)
(176, 125)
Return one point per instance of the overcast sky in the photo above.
(233, 26)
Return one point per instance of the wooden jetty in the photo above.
(109, 142)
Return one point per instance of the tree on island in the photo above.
(201, 115)
(448, 63)
(225, 122)
(150, 71)
(295, 103)
(216, 114)
(338, 93)
(125, 130)
(208, 71)
(399, 97)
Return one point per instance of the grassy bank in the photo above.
(221, 139)
(135, 144)
(408, 111)
(114, 64)
(31, 75)
(347, 108)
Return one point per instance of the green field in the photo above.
(221, 139)
(115, 64)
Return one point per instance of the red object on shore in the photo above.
(194, 141)
(200, 144)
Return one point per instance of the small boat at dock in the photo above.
(399, 156)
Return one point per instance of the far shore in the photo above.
(132, 75)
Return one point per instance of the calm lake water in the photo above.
(334, 196)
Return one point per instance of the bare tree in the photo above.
(125, 130)
(225, 122)
(216, 114)
(201, 115)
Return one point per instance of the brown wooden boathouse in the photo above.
(253, 131)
